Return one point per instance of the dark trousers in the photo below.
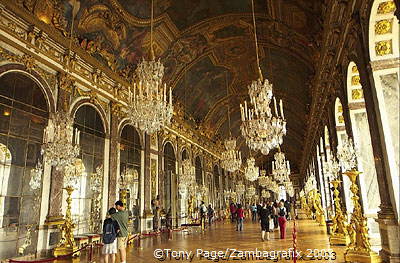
(254, 216)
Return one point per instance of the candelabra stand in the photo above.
(319, 212)
(95, 216)
(359, 249)
(122, 195)
(67, 245)
(339, 234)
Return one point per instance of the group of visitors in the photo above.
(206, 212)
(115, 233)
(271, 215)
(237, 215)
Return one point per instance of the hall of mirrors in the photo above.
(77, 132)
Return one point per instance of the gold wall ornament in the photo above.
(357, 94)
(341, 119)
(354, 69)
(359, 248)
(386, 7)
(67, 244)
(383, 26)
(339, 235)
(383, 47)
(355, 80)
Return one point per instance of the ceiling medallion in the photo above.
(280, 167)
(149, 106)
(261, 129)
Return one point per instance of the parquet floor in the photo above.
(223, 238)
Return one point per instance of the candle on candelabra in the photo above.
(241, 112)
(170, 96)
(281, 106)
(273, 166)
(245, 109)
(276, 110)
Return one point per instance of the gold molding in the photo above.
(383, 47)
(386, 7)
(383, 26)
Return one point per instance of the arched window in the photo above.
(23, 117)
(199, 171)
(130, 159)
(169, 171)
(184, 155)
(89, 122)
(384, 52)
(362, 139)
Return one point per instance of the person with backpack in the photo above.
(110, 231)
(122, 218)
(282, 219)
(265, 215)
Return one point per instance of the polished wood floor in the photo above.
(312, 241)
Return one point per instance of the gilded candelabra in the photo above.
(339, 234)
(66, 245)
(319, 212)
(359, 249)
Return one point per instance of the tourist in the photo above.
(233, 212)
(287, 207)
(203, 211)
(265, 215)
(276, 209)
(253, 210)
(210, 214)
(282, 219)
(239, 218)
(272, 215)
(122, 218)
(110, 231)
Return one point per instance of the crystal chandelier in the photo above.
(251, 171)
(73, 172)
(265, 194)
(347, 154)
(251, 191)
(263, 179)
(36, 176)
(289, 188)
(188, 176)
(58, 148)
(231, 158)
(149, 106)
(240, 188)
(128, 178)
(280, 167)
(332, 167)
(261, 129)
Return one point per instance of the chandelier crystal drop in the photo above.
(149, 106)
(332, 167)
(58, 146)
(263, 179)
(280, 167)
(251, 171)
(347, 154)
(251, 191)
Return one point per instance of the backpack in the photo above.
(282, 211)
(109, 233)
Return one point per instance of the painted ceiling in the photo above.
(207, 47)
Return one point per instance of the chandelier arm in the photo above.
(255, 40)
(227, 94)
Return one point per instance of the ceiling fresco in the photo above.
(200, 42)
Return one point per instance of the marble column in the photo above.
(147, 217)
(113, 160)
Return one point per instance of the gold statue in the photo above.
(67, 245)
(339, 231)
(319, 212)
(359, 249)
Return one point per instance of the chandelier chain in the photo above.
(255, 39)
